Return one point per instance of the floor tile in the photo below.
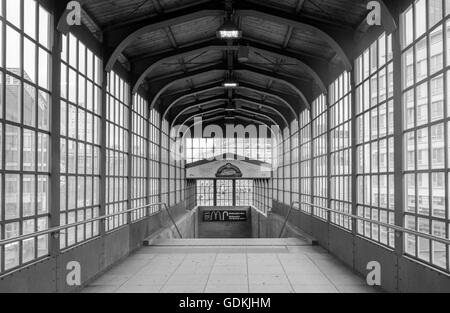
(99, 289)
(315, 289)
(188, 279)
(111, 280)
(356, 289)
(153, 279)
(271, 289)
(210, 288)
(342, 279)
(265, 269)
(228, 279)
(131, 288)
(308, 279)
(183, 289)
(232, 268)
(229, 269)
(268, 279)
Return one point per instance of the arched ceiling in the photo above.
(172, 52)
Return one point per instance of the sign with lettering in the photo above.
(224, 216)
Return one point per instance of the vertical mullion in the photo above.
(299, 161)
(311, 162)
(85, 142)
(415, 132)
(148, 161)
(163, 180)
(215, 192)
(399, 142)
(354, 156)
(55, 137)
(103, 151)
(3, 95)
(329, 160)
(427, 39)
(130, 164)
(77, 135)
(446, 60)
(36, 121)
(21, 145)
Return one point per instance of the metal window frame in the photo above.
(444, 71)
(76, 140)
(360, 143)
(4, 71)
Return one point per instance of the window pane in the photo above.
(13, 105)
(12, 196)
(29, 105)
(29, 150)
(13, 12)
(13, 46)
(12, 148)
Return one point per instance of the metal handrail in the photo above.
(287, 218)
(389, 226)
(58, 229)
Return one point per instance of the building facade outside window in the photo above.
(117, 128)
(425, 34)
(24, 130)
(81, 79)
(375, 140)
(320, 156)
(139, 146)
(305, 160)
(340, 115)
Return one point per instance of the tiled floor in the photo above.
(230, 266)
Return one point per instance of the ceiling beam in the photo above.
(171, 37)
(242, 101)
(245, 108)
(262, 105)
(159, 87)
(144, 67)
(288, 37)
(238, 117)
(89, 20)
(119, 38)
(197, 104)
(280, 109)
(252, 116)
(299, 6)
(339, 40)
(159, 9)
(283, 101)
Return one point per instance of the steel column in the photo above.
(55, 148)
(398, 143)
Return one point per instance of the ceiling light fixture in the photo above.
(229, 31)
(230, 84)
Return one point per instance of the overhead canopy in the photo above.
(285, 58)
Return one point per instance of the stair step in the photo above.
(228, 242)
